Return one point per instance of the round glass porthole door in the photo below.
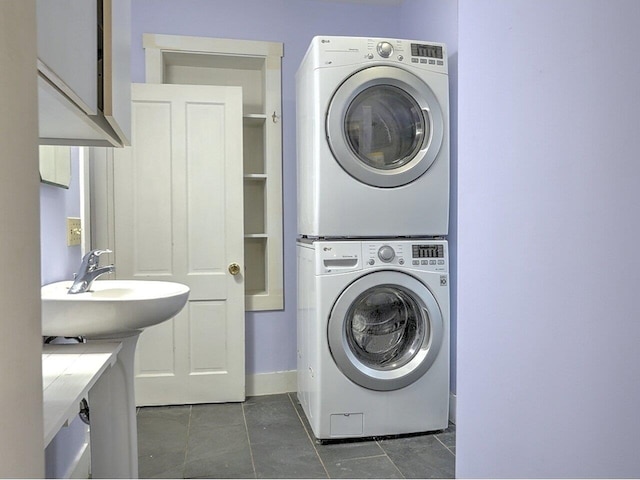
(385, 330)
(385, 126)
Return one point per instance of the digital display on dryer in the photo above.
(424, 50)
(427, 251)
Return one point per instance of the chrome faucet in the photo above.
(89, 271)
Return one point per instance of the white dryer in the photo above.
(373, 138)
(373, 336)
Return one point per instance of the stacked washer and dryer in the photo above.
(373, 213)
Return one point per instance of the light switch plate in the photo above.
(74, 231)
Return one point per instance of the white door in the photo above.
(178, 217)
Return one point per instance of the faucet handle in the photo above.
(91, 259)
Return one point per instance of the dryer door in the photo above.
(385, 330)
(385, 126)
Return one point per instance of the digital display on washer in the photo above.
(424, 50)
(428, 251)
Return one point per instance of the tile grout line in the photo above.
(390, 459)
(383, 454)
(313, 443)
(186, 447)
(445, 446)
(246, 429)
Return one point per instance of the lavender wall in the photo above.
(548, 235)
(56, 204)
(270, 336)
(437, 20)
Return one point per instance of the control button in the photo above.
(440, 262)
(385, 49)
(425, 262)
(432, 62)
(371, 261)
(401, 261)
(400, 57)
(432, 262)
(440, 62)
(415, 60)
(423, 60)
(370, 56)
(386, 253)
(415, 262)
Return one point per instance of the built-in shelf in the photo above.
(255, 176)
(257, 117)
(257, 68)
(256, 292)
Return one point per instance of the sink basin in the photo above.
(110, 308)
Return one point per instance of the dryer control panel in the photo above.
(334, 51)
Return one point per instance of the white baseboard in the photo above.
(271, 383)
(452, 407)
(81, 465)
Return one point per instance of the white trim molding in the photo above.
(452, 407)
(271, 383)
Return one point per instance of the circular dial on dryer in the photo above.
(385, 49)
(386, 253)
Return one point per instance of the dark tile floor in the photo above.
(269, 437)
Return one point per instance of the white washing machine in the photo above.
(373, 138)
(373, 336)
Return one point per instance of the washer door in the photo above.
(385, 330)
(384, 126)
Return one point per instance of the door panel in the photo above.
(205, 183)
(150, 360)
(178, 209)
(207, 329)
(151, 206)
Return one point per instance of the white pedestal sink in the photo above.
(113, 310)
(111, 307)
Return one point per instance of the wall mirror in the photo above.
(55, 165)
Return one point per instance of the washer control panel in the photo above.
(424, 255)
(342, 256)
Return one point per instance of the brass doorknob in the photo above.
(234, 268)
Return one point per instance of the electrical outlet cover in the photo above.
(74, 231)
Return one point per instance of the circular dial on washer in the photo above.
(385, 49)
(386, 253)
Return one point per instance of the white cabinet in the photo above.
(67, 49)
(84, 79)
(256, 67)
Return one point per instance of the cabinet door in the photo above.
(67, 49)
(117, 67)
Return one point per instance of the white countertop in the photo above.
(68, 373)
